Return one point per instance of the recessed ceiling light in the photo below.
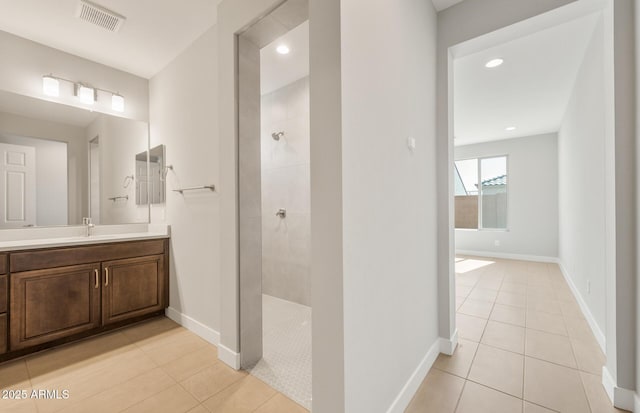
(493, 63)
(510, 128)
(283, 49)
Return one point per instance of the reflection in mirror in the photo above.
(151, 183)
(60, 163)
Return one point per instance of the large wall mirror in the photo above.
(60, 164)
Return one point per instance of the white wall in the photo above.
(183, 116)
(286, 243)
(76, 155)
(389, 208)
(532, 203)
(29, 61)
(637, 117)
(582, 197)
(51, 178)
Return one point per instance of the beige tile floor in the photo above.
(524, 346)
(156, 366)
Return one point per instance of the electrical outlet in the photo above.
(589, 286)
(496, 243)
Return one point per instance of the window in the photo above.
(481, 193)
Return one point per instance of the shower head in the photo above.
(277, 135)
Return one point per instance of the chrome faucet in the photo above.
(87, 222)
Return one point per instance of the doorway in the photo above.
(274, 201)
(94, 180)
(571, 158)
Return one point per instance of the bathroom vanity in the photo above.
(78, 252)
(54, 291)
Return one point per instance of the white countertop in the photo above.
(103, 234)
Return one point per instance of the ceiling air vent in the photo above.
(99, 16)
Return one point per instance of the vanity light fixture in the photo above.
(494, 63)
(50, 86)
(86, 93)
(117, 102)
(283, 49)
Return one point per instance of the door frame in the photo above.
(619, 371)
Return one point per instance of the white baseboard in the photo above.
(622, 398)
(448, 345)
(607, 382)
(206, 333)
(508, 256)
(599, 335)
(229, 357)
(411, 387)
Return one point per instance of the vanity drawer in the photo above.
(3, 264)
(3, 293)
(3, 333)
(61, 257)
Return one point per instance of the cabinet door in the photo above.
(132, 287)
(53, 303)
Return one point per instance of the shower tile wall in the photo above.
(286, 184)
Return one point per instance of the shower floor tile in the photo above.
(286, 360)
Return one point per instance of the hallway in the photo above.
(524, 345)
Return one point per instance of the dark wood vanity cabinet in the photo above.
(53, 303)
(132, 287)
(3, 303)
(58, 294)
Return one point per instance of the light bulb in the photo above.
(117, 103)
(86, 94)
(50, 86)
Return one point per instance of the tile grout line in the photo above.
(266, 401)
(464, 385)
(524, 354)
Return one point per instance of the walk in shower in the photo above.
(274, 185)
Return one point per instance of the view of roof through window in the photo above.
(466, 176)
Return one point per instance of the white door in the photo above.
(142, 194)
(94, 180)
(17, 186)
(155, 187)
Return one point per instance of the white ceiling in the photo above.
(154, 33)
(49, 111)
(530, 90)
(444, 4)
(278, 70)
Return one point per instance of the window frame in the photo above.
(479, 166)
